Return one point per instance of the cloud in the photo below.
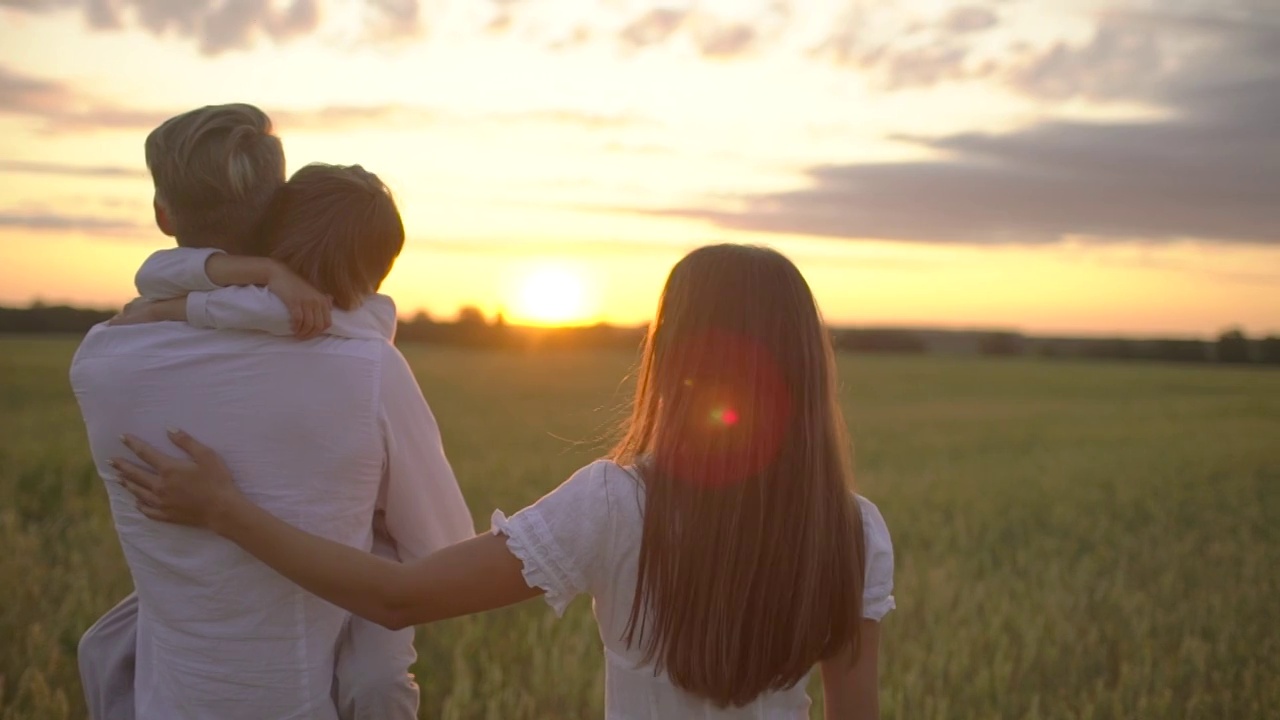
(1125, 57)
(588, 120)
(899, 51)
(20, 93)
(47, 168)
(653, 27)
(1126, 54)
(920, 67)
(345, 117)
(61, 109)
(218, 26)
(382, 116)
(730, 40)
(713, 36)
(1209, 169)
(576, 37)
(393, 20)
(58, 222)
(504, 16)
(969, 18)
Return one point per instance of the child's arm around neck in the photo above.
(177, 272)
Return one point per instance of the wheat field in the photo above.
(1072, 540)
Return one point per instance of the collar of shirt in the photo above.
(375, 318)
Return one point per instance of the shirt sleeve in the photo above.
(877, 591)
(424, 507)
(562, 541)
(249, 307)
(241, 307)
(174, 272)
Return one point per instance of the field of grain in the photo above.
(1072, 540)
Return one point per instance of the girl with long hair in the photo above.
(721, 542)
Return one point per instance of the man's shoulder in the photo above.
(105, 339)
(391, 358)
(177, 338)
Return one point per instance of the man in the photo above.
(325, 427)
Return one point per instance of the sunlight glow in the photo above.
(552, 295)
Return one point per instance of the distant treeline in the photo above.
(50, 319)
(472, 329)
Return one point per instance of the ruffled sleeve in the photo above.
(877, 594)
(563, 539)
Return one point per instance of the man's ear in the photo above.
(162, 219)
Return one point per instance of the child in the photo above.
(338, 228)
(309, 263)
(720, 541)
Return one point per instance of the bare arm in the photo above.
(224, 270)
(177, 272)
(472, 576)
(850, 686)
(174, 272)
(308, 308)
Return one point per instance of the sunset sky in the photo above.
(1053, 166)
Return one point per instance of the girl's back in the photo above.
(585, 537)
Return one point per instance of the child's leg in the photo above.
(371, 676)
(106, 656)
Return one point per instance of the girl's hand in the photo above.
(308, 308)
(199, 494)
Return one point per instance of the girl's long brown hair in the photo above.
(751, 563)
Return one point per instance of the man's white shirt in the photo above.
(315, 432)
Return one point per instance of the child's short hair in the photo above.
(216, 170)
(338, 228)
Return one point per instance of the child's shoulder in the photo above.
(869, 509)
(609, 484)
(608, 476)
(874, 527)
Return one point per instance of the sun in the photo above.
(552, 295)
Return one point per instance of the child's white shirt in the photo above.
(178, 272)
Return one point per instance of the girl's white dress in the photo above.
(584, 537)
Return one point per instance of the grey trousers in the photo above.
(106, 655)
(371, 670)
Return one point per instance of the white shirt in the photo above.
(584, 537)
(311, 431)
(179, 271)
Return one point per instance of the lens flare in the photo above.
(725, 416)
(732, 408)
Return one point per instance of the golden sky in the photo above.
(1048, 165)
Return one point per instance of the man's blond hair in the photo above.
(215, 171)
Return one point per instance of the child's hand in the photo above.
(308, 308)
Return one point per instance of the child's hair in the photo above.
(338, 228)
(751, 563)
(215, 171)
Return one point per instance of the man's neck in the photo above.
(226, 246)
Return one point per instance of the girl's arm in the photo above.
(472, 576)
(851, 686)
